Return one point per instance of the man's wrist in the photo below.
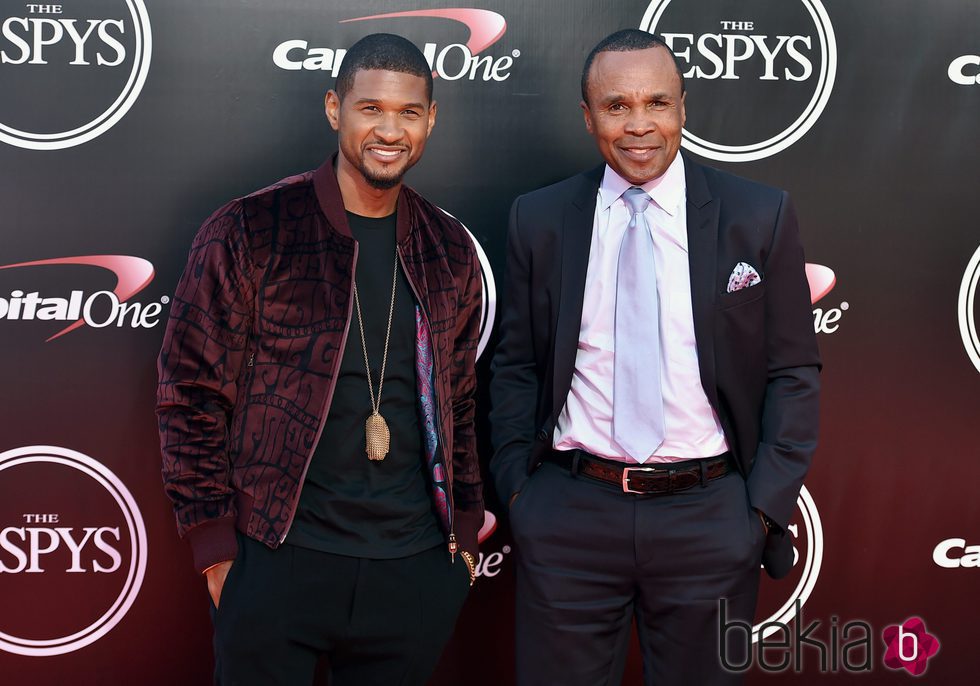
(216, 564)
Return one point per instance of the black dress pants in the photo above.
(592, 559)
(378, 622)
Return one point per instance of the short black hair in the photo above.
(626, 40)
(384, 51)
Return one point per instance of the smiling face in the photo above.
(382, 124)
(635, 111)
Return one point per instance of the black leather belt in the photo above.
(652, 479)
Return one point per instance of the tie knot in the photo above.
(636, 199)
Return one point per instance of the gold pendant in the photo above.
(378, 440)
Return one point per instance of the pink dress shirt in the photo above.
(692, 426)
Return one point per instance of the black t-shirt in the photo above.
(351, 505)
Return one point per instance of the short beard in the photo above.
(381, 184)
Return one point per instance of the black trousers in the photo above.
(591, 559)
(378, 622)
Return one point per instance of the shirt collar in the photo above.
(667, 190)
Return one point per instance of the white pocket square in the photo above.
(743, 276)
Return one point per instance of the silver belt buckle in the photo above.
(626, 478)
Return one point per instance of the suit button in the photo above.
(542, 435)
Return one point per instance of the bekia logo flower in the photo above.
(909, 646)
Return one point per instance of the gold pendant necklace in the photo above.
(377, 438)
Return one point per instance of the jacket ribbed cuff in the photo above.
(212, 542)
(467, 529)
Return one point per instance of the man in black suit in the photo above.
(655, 392)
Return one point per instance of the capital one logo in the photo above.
(449, 60)
(965, 70)
(71, 70)
(489, 564)
(821, 281)
(967, 309)
(954, 553)
(72, 540)
(758, 77)
(98, 309)
(807, 532)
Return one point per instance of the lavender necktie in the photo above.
(638, 407)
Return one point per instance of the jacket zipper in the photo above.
(326, 403)
(453, 545)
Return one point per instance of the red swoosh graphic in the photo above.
(485, 27)
(489, 526)
(821, 280)
(133, 274)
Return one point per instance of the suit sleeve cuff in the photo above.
(508, 481)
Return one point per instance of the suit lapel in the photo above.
(702, 238)
(576, 242)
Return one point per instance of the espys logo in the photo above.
(783, 54)
(98, 309)
(965, 70)
(967, 309)
(489, 290)
(822, 280)
(807, 532)
(76, 548)
(76, 52)
(452, 62)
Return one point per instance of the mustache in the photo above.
(637, 143)
(382, 144)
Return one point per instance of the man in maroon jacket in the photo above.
(316, 402)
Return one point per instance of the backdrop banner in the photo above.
(125, 123)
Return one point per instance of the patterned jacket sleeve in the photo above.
(467, 482)
(200, 362)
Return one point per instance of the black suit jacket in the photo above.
(756, 347)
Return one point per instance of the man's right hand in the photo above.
(216, 575)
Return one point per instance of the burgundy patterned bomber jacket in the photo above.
(256, 334)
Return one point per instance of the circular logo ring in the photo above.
(137, 537)
(967, 305)
(802, 124)
(111, 116)
(489, 290)
(811, 567)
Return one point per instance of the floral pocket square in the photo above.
(743, 276)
